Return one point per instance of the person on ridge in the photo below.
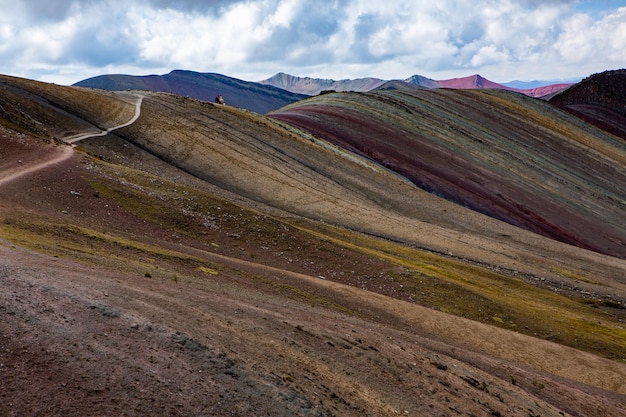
(219, 99)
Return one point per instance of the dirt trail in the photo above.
(66, 152)
(74, 139)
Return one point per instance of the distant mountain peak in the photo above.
(313, 86)
(479, 81)
(204, 86)
(422, 81)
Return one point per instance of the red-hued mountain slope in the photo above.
(476, 81)
(500, 153)
(471, 82)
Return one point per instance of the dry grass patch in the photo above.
(97, 248)
(478, 293)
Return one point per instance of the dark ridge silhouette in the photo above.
(203, 86)
(599, 99)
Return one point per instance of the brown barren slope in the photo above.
(131, 287)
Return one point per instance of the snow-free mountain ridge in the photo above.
(281, 89)
(313, 86)
(203, 86)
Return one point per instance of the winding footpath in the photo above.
(67, 151)
(74, 139)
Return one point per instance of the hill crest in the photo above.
(203, 86)
(599, 99)
(438, 138)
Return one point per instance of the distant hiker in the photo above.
(219, 99)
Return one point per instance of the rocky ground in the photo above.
(278, 279)
(133, 330)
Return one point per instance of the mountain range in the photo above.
(203, 86)
(400, 251)
(281, 89)
(313, 86)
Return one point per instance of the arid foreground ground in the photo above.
(130, 287)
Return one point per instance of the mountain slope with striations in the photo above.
(204, 86)
(599, 99)
(198, 259)
(502, 154)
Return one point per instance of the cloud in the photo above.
(298, 34)
(192, 40)
(584, 39)
(252, 39)
(35, 11)
(190, 5)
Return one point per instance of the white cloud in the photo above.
(284, 14)
(489, 55)
(584, 39)
(68, 40)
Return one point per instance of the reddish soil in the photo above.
(602, 117)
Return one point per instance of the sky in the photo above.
(65, 41)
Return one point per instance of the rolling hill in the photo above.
(599, 99)
(208, 260)
(203, 86)
(510, 157)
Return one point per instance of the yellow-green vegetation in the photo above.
(155, 210)
(208, 270)
(572, 275)
(491, 297)
(177, 207)
(88, 245)
(450, 285)
(313, 299)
